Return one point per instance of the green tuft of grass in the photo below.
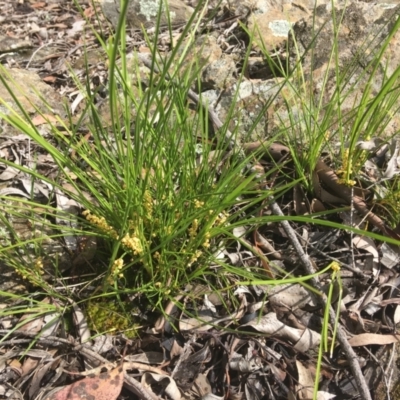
(160, 192)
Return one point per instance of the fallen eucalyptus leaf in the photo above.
(365, 339)
(105, 386)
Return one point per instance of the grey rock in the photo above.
(11, 45)
(249, 100)
(206, 59)
(272, 20)
(33, 95)
(364, 27)
(30, 91)
(219, 73)
(143, 13)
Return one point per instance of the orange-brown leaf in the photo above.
(105, 386)
(43, 119)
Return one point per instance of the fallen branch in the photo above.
(349, 353)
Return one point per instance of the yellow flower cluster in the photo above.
(221, 218)
(148, 203)
(101, 223)
(347, 166)
(335, 266)
(116, 269)
(32, 275)
(39, 266)
(133, 243)
(347, 182)
(195, 257)
(193, 228)
(198, 204)
(206, 243)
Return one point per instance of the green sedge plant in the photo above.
(314, 126)
(317, 124)
(156, 188)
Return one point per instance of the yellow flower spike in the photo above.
(335, 266)
(39, 264)
(133, 243)
(148, 203)
(101, 223)
(193, 228)
(198, 203)
(327, 135)
(116, 267)
(347, 182)
(195, 257)
(206, 243)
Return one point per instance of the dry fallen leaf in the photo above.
(39, 4)
(168, 384)
(365, 339)
(43, 119)
(302, 339)
(49, 79)
(306, 381)
(105, 386)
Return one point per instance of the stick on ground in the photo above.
(348, 351)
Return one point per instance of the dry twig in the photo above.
(351, 356)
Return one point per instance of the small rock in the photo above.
(248, 100)
(29, 89)
(216, 69)
(11, 45)
(364, 27)
(272, 20)
(219, 73)
(143, 13)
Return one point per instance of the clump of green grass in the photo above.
(317, 119)
(160, 193)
